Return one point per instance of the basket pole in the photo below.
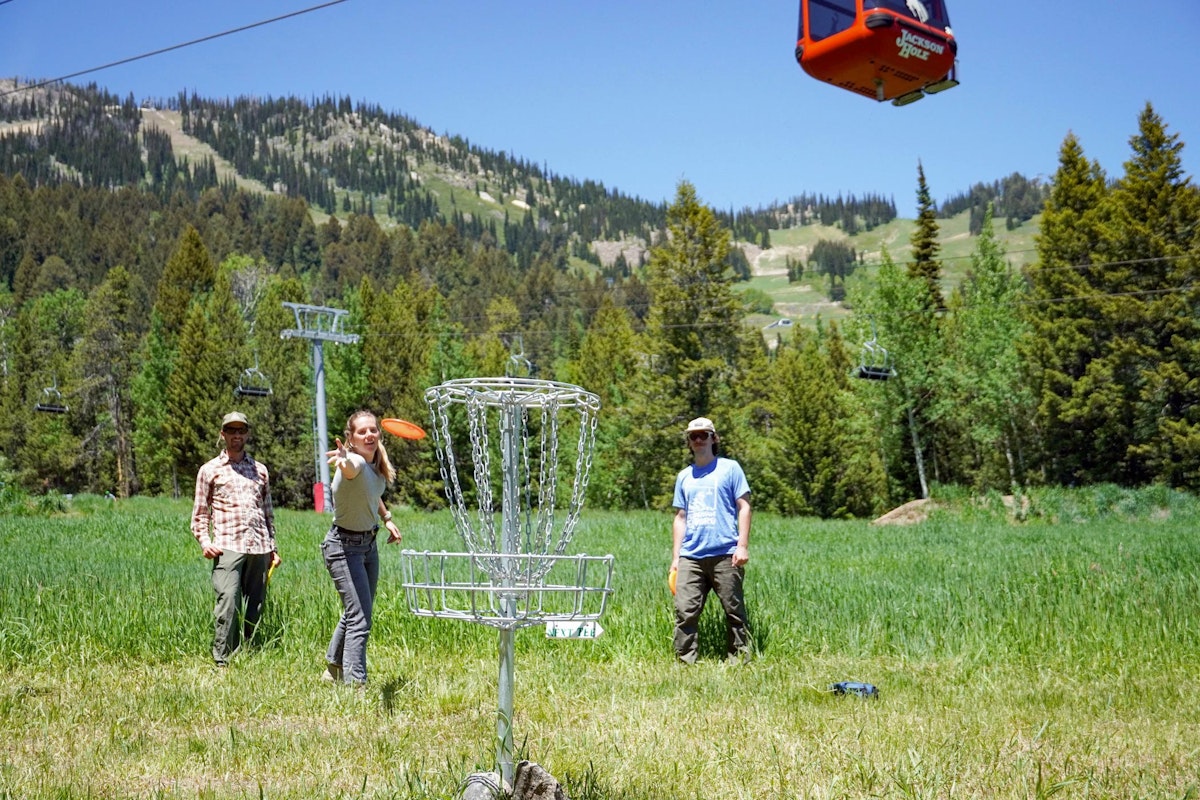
(511, 436)
(504, 713)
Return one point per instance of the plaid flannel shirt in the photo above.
(233, 506)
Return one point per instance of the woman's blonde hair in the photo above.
(381, 463)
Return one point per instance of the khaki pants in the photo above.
(696, 577)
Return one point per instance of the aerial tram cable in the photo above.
(898, 50)
(52, 401)
(168, 49)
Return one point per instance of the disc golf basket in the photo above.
(514, 455)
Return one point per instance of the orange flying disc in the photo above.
(402, 428)
(671, 580)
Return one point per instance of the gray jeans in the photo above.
(237, 577)
(353, 562)
(695, 579)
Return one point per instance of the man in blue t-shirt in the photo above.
(711, 534)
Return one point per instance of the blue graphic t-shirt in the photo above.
(709, 495)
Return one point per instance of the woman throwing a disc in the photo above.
(351, 555)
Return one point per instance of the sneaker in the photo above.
(332, 673)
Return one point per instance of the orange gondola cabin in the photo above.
(898, 50)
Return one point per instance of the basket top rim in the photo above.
(508, 391)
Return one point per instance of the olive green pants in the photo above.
(240, 581)
(695, 579)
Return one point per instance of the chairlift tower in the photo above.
(320, 324)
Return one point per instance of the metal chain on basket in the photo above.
(437, 401)
(481, 455)
(535, 527)
(548, 491)
(523, 473)
(589, 416)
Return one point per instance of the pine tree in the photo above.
(201, 388)
(25, 277)
(1066, 317)
(1116, 352)
(1152, 249)
(152, 458)
(827, 463)
(695, 317)
(397, 352)
(105, 358)
(189, 273)
(46, 451)
(693, 335)
(607, 364)
(14, 215)
(925, 264)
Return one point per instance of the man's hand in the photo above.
(211, 550)
(740, 556)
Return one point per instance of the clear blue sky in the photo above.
(640, 95)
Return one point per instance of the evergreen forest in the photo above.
(144, 281)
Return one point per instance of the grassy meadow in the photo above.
(1052, 656)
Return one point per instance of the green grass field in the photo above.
(1015, 660)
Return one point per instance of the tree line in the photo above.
(141, 313)
(1015, 199)
(341, 157)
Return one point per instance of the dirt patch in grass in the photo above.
(908, 514)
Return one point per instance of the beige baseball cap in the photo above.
(234, 416)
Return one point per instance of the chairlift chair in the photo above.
(874, 361)
(52, 401)
(253, 383)
(518, 365)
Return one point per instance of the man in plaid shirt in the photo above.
(234, 522)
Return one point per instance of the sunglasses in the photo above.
(237, 431)
(699, 436)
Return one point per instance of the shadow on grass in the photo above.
(391, 688)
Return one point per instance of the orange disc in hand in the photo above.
(671, 580)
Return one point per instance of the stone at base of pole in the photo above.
(530, 782)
